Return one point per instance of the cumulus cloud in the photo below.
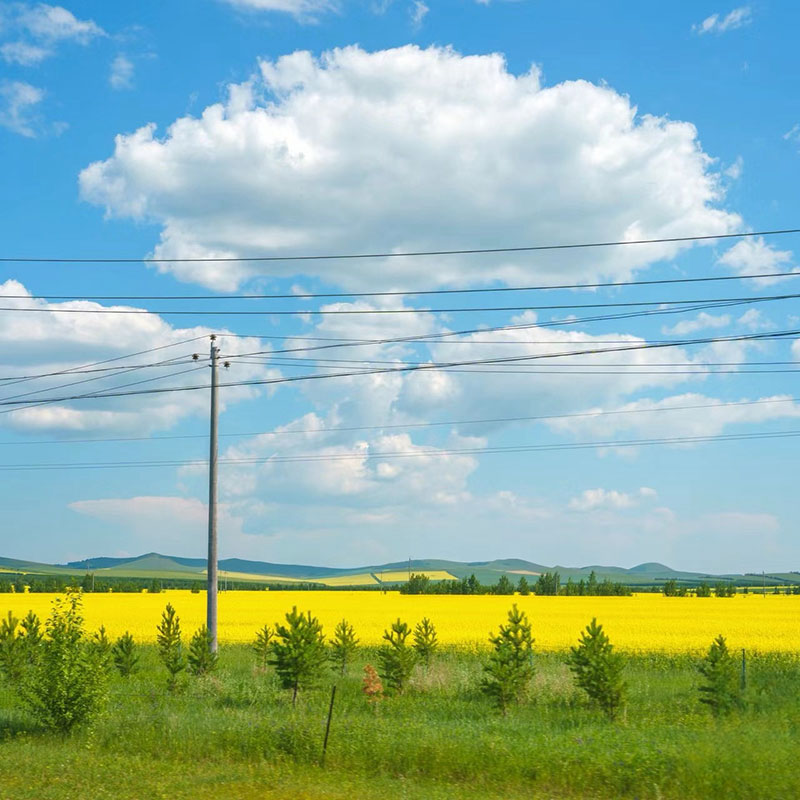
(121, 74)
(41, 29)
(721, 23)
(753, 255)
(702, 321)
(411, 149)
(593, 499)
(46, 341)
(18, 109)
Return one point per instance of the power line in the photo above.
(423, 367)
(420, 453)
(415, 425)
(328, 257)
(396, 311)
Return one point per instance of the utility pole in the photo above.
(211, 594)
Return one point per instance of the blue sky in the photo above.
(249, 127)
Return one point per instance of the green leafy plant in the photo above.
(397, 659)
(298, 651)
(426, 642)
(510, 668)
(67, 684)
(261, 646)
(170, 646)
(598, 669)
(343, 645)
(202, 659)
(124, 655)
(721, 691)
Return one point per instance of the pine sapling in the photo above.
(101, 646)
(124, 654)
(261, 646)
(426, 643)
(12, 651)
(31, 636)
(397, 659)
(170, 646)
(598, 669)
(298, 651)
(721, 691)
(202, 659)
(510, 668)
(343, 645)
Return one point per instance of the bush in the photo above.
(721, 691)
(12, 655)
(396, 658)
(510, 668)
(202, 659)
(261, 646)
(598, 669)
(343, 645)
(67, 684)
(124, 655)
(426, 642)
(298, 651)
(170, 646)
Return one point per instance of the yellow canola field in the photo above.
(644, 622)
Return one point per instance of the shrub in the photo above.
(202, 659)
(721, 691)
(396, 658)
(124, 655)
(426, 642)
(343, 645)
(261, 646)
(170, 646)
(298, 651)
(598, 669)
(510, 666)
(31, 636)
(67, 684)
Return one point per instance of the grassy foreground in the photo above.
(236, 735)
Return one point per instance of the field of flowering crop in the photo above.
(642, 623)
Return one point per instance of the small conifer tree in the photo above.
(12, 652)
(510, 668)
(31, 635)
(124, 654)
(426, 642)
(102, 647)
(598, 669)
(523, 587)
(298, 651)
(202, 659)
(170, 646)
(396, 658)
(343, 645)
(261, 646)
(721, 691)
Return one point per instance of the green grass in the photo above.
(236, 735)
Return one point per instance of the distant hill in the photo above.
(156, 565)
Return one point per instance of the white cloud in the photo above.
(754, 255)
(42, 342)
(303, 10)
(734, 171)
(594, 499)
(717, 23)
(701, 322)
(23, 53)
(753, 319)
(121, 75)
(19, 101)
(418, 11)
(793, 134)
(412, 149)
(41, 28)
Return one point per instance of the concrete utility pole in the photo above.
(211, 613)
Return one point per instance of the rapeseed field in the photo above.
(642, 623)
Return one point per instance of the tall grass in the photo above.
(237, 727)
